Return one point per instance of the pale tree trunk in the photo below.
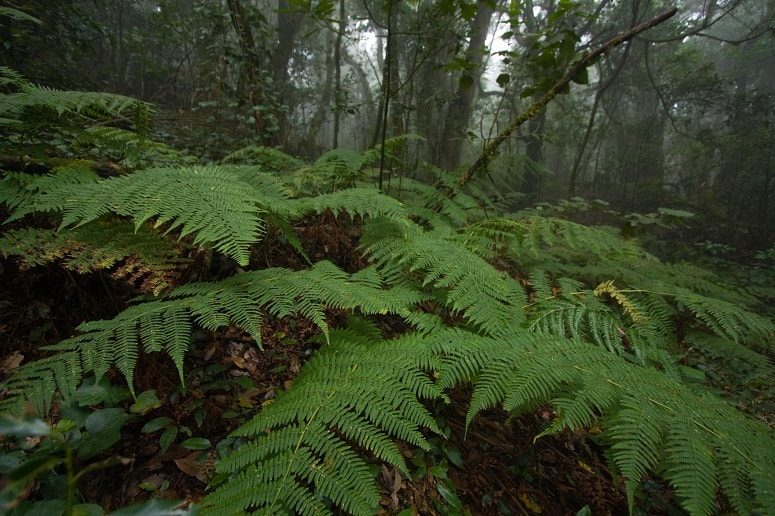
(338, 73)
(462, 105)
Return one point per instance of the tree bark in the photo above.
(462, 105)
(338, 73)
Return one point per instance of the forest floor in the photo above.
(493, 467)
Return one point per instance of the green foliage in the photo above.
(266, 158)
(129, 148)
(99, 245)
(164, 324)
(472, 287)
(210, 202)
(529, 309)
(30, 101)
(652, 423)
(299, 452)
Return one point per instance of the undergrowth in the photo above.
(527, 309)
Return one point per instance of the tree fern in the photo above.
(165, 324)
(299, 453)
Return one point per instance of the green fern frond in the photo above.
(31, 99)
(489, 299)
(267, 159)
(165, 324)
(299, 454)
(27, 193)
(209, 202)
(726, 319)
(725, 349)
(652, 422)
(584, 318)
(10, 77)
(532, 237)
(131, 148)
(97, 246)
(363, 202)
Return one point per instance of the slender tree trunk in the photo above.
(240, 21)
(368, 97)
(338, 72)
(289, 22)
(462, 105)
(319, 118)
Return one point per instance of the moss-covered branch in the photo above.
(585, 60)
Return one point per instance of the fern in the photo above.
(100, 245)
(652, 422)
(210, 202)
(165, 324)
(726, 319)
(488, 298)
(27, 193)
(266, 158)
(299, 453)
(363, 202)
(30, 100)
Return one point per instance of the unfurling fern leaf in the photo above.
(165, 324)
(299, 454)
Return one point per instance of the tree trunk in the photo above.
(462, 105)
(241, 23)
(338, 73)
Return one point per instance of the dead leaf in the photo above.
(191, 466)
(529, 503)
(11, 362)
(294, 367)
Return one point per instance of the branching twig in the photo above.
(573, 71)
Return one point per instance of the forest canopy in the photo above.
(387, 257)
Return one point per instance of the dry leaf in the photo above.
(191, 466)
(11, 362)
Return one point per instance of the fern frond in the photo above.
(10, 77)
(89, 104)
(97, 246)
(726, 319)
(299, 452)
(165, 324)
(532, 237)
(608, 287)
(586, 319)
(652, 422)
(26, 193)
(267, 159)
(489, 299)
(209, 202)
(363, 202)
(725, 349)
